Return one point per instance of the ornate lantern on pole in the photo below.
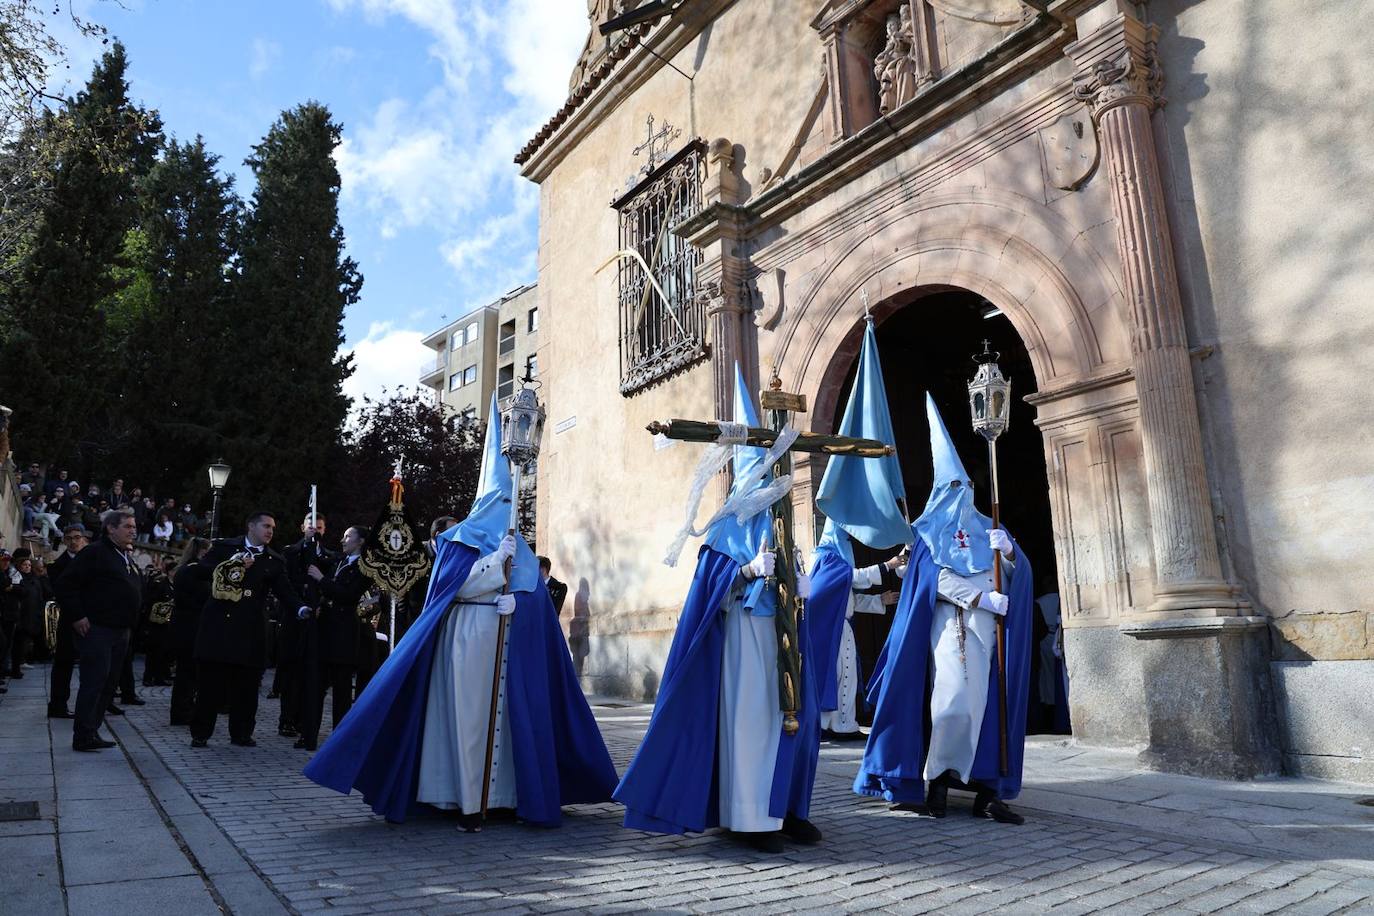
(219, 477)
(989, 401)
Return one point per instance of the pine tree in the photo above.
(284, 416)
(55, 352)
(177, 342)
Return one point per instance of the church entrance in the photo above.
(926, 340)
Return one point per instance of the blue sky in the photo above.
(435, 97)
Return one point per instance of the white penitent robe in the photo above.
(750, 720)
(453, 755)
(844, 719)
(960, 694)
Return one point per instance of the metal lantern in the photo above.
(219, 476)
(522, 424)
(989, 396)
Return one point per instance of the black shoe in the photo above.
(133, 701)
(769, 841)
(911, 808)
(470, 823)
(91, 744)
(288, 731)
(937, 796)
(246, 742)
(180, 721)
(303, 745)
(200, 742)
(500, 814)
(801, 831)
(994, 809)
(59, 712)
(113, 710)
(848, 736)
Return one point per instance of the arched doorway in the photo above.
(926, 339)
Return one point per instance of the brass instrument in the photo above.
(51, 621)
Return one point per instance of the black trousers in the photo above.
(63, 663)
(290, 686)
(101, 652)
(19, 650)
(157, 660)
(184, 687)
(338, 679)
(218, 681)
(126, 675)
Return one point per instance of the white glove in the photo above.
(1000, 541)
(505, 604)
(506, 549)
(303, 613)
(900, 571)
(803, 586)
(762, 565)
(995, 602)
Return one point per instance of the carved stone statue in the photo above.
(895, 64)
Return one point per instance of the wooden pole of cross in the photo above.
(781, 405)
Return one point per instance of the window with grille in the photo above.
(661, 333)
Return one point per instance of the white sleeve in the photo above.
(957, 590)
(486, 576)
(869, 604)
(867, 577)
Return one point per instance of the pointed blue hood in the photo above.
(861, 494)
(489, 519)
(740, 541)
(954, 531)
(833, 538)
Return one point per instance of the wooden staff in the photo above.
(1001, 620)
(500, 642)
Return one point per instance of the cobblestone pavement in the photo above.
(324, 852)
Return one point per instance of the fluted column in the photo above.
(1118, 78)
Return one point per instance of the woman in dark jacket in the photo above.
(190, 591)
(29, 623)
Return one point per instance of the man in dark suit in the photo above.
(101, 593)
(336, 622)
(64, 655)
(558, 591)
(297, 652)
(231, 642)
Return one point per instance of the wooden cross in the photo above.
(780, 406)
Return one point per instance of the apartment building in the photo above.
(488, 348)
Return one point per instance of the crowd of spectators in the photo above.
(52, 502)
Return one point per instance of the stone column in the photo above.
(1204, 661)
(1118, 80)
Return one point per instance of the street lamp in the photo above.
(219, 476)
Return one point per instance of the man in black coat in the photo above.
(297, 650)
(336, 622)
(190, 593)
(101, 593)
(64, 655)
(558, 591)
(231, 642)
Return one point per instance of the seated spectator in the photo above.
(56, 484)
(38, 522)
(35, 479)
(117, 497)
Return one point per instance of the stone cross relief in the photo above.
(656, 144)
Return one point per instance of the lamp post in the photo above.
(522, 424)
(219, 476)
(989, 401)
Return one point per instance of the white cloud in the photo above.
(387, 358)
(263, 56)
(443, 162)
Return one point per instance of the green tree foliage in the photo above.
(285, 408)
(55, 354)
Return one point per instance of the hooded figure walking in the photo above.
(941, 656)
(418, 734)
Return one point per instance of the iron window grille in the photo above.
(659, 338)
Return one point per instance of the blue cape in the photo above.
(672, 784)
(560, 758)
(832, 578)
(894, 758)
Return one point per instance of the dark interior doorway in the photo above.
(926, 341)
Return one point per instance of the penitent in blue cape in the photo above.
(560, 758)
(670, 787)
(894, 758)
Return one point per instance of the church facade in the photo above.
(1157, 217)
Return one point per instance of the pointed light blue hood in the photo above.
(489, 519)
(954, 531)
(861, 495)
(833, 538)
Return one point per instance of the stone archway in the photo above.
(1067, 307)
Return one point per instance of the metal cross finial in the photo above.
(667, 133)
(863, 298)
(396, 471)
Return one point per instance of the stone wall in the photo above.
(11, 507)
